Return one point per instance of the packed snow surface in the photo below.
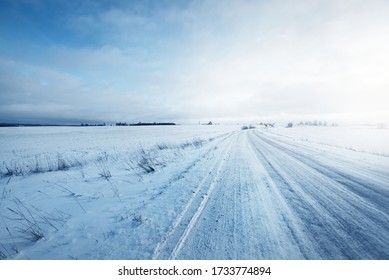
(194, 192)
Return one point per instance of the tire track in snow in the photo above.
(295, 206)
(372, 196)
(346, 225)
(240, 219)
(171, 245)
(262, 202)
(284, 215)
(374, 189)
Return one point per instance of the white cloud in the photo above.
(336, 63)
(225, 60)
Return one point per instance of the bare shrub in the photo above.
(62, 164)
(103, 169)
(145, 161)
(8, 172)
(37, 167)
(72, 194)
(185, 145)
(130, 165)
(30, 221)
(13, 245)
(137, 220)
(162, 146)
(197, 143)
(39, 164)
(28, 226)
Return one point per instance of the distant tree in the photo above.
(289, 125)
(121, 124)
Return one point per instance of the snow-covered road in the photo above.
(266, 197)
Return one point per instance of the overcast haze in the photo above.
(190, 61)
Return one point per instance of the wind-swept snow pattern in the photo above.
(221, 193)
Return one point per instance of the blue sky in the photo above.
(191, 61)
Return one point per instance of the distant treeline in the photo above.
(143, 124)
(317, 123)
(31, 125)
(85, 124)
(98, 124)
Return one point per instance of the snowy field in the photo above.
(194, 192)
(369, 139)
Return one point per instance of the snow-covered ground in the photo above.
(194, 192)
(369, 139)
(22, 146)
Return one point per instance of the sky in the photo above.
(67, 62)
